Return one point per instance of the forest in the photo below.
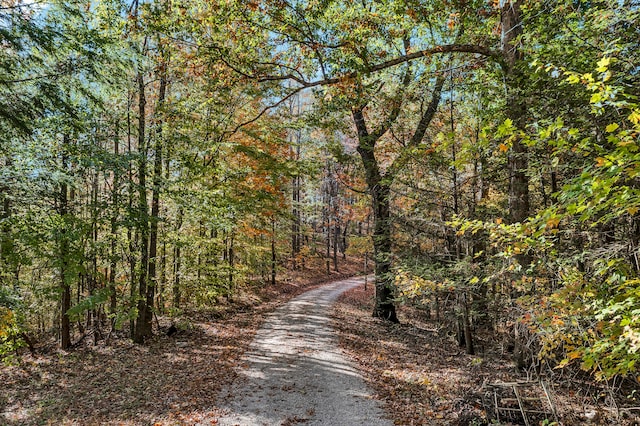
(165, 160)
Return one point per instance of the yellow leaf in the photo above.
(574, 355)
(634, 117)
(499, 220)
(632, 210)
(611, 127)
(603, 64)
(573, 79)
(600, 161)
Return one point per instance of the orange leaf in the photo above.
(553, 222)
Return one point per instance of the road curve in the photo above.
(294, 372)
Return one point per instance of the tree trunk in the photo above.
(63, 211)
(93, 315)
(296, 237)
(382, 254)
(384, 307)
(273, 251)
(155, 206)
(516, 110)
(378, 185)
(131, 234)
(114, 232)
(6, 241)
(380, 191)
(345, 242)
(466, 322)
(230, 260)
(6, 237)
(336, 238)
(143, 320)
(177, 260)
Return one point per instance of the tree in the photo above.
(320, 39)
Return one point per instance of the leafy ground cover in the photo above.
(424, 378)
(169, 381)
(415, 368)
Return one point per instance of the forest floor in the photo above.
(424, 378)
(415, 368)
(169, 381)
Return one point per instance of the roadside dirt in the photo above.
(424, 378)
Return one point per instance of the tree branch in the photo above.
(264, 111)
(421, 128)
(395, 112)
(448, 48)
(429, 113)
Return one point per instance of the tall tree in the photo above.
(516, 109)
(321, 39)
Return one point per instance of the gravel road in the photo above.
(294, 372)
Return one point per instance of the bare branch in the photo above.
(265, 110)
(449, 48)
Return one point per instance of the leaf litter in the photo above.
(168, 381)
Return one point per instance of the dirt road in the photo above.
(294, 372)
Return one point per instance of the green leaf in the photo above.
(89, 303)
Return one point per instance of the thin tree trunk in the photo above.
(93, 314)
(155, 205)
(230, 260)
(336, 237)
(177, 260)
(113, 305)
(143, 320)
(454, 170)
(273, 252)
(516, 110)
(296, 238)
(131, 236)
(63, 211)
(7, 267)
(466, 321)
(345, 242)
